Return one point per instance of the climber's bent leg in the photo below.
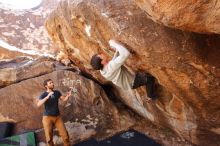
(150, 87)
(146, 79)
(139, 80)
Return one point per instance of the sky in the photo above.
(20, 4)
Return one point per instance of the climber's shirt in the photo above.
(115, 71)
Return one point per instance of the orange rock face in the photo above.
(185, 64)
(196, 16)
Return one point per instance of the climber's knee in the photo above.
(140, 80)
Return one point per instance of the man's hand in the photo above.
(112, 43)
(65, 98)
(42, 101)
(49, 95)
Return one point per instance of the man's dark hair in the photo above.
(96, 62)
(46, 81)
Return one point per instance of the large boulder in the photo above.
(185, 64)
(25, 30)
(196, 16)
(87, 112)
(21, 68)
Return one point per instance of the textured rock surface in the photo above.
(7, 54)
(88, 107)
(185, 64)
(24, 28)
(196, 16)
(22, 68)
(81, 124)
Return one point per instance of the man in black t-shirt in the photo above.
(51, 115)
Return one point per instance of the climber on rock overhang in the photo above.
(114, 70)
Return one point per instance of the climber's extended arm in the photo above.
(121, 53)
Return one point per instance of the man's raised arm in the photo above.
(40, 102)
(123, 52)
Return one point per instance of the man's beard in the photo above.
(52, 87)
